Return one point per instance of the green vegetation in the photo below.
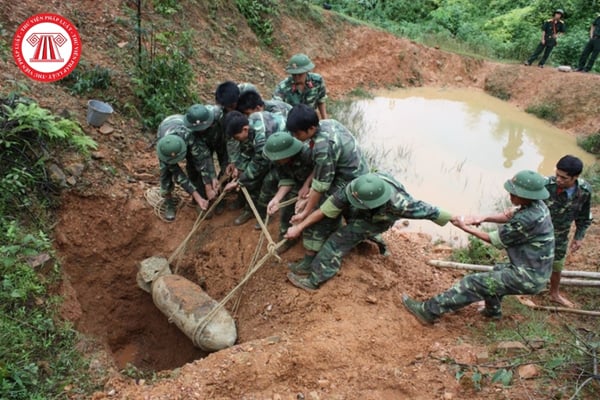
(4, 44)
(167, 7)
(477, 252)
(259, 14)
(548, 111)
(592, 175)
(590, 143)
(38, 356)
(85, 79)
(505, 29)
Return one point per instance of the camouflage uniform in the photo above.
(172, 173)
(338, 160)
(293, 174)
(528, 238)
(314, 91)
(564, 211)
(200, 162)
(256, 168)
(277, 106)
(364, 224)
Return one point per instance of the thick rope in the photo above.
(262, 225)
(157, 202)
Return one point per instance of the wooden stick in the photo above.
(531, 304)
(477, 267)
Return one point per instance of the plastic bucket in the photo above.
(98, 112)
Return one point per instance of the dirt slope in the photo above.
(349, 340)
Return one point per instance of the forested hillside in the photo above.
(504, 29)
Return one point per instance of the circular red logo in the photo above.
(46, 47)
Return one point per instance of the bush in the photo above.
(570, 46)
(548, 111)
(477, 252)
(85, 79)
(590, 143)
(258, 14)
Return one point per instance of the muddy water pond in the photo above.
(454, 148)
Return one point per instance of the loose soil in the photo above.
(349, 340)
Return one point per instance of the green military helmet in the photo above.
(199, 117)
(247, 87)
(281, 145)
(527, 185)
(368, 191)
(559, 11)
(299, 64)
(171, 149)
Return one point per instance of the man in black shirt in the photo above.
(551, 29)
(592, 47)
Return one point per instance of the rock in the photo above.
(323, 383)
(38, 260)
(528, 371)
(482, 357)
(57, 176)
(106, 129)
(510, 348)
(448, 396)
(277, 397)
(273, 340)
(458, 79)
(98, 155)
(313, 396)
(442, 249)
(371, 299)
(75, 169)
(71, 181)
(121, 44)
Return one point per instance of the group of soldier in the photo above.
(552, 29)
(287, 147)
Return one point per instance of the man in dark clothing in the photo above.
(592, 47)
(551, 29)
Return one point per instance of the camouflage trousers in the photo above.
(561, 244)
(504, 279)
(266, 192)
(328, 260)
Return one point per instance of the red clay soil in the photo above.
(349, 340)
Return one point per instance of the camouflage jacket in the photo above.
(400, 205)
(277, 106)
(336, 155)
(314, 91)
(564, 210)
(295, 172)
(528, 238)
(206, 143)
(169, 173)
(251, 160)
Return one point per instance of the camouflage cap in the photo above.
(368, 191)
(199, 117)
(247, 87)
(281, 145)
(527, 185)
(171, 149)
(299, 64)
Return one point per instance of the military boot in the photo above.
(302, 266)
(302, 282)
(170, 208)
(417, 308)
(244, 217)
(491, 313)
(286, 246)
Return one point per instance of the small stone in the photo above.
(323, 383)
(106, 129)
(371, 299)
(458, 79)
(448, 396)
(75, 169)
(510, 348)
(111, 392)
(313, 396)
(277, 397)
(405, 222)
(528, 371)
(98, 155)
(419, 356)
(71, 181)
(273, 340)
(122, 44)
(38, 260)
(57, 175)
(300, 396)
(482, 357)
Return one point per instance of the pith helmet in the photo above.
(299, 64)
(368, 191)
(527, 185)
(281, 145)
(559, 11)
(199, 117)
(171, 149)
(247, 87)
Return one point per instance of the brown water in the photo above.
(454, 148)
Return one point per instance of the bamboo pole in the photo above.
(476, 267)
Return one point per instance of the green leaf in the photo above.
(503, 376)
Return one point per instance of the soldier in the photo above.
(591, 48)
(250, 102)
(528, 237)
(570, 198)
(227, 95)
(174, 144)
(370, 205)
(303, 86)
(253, 167)
(337, 160)
(551, 30)
(293, 165)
